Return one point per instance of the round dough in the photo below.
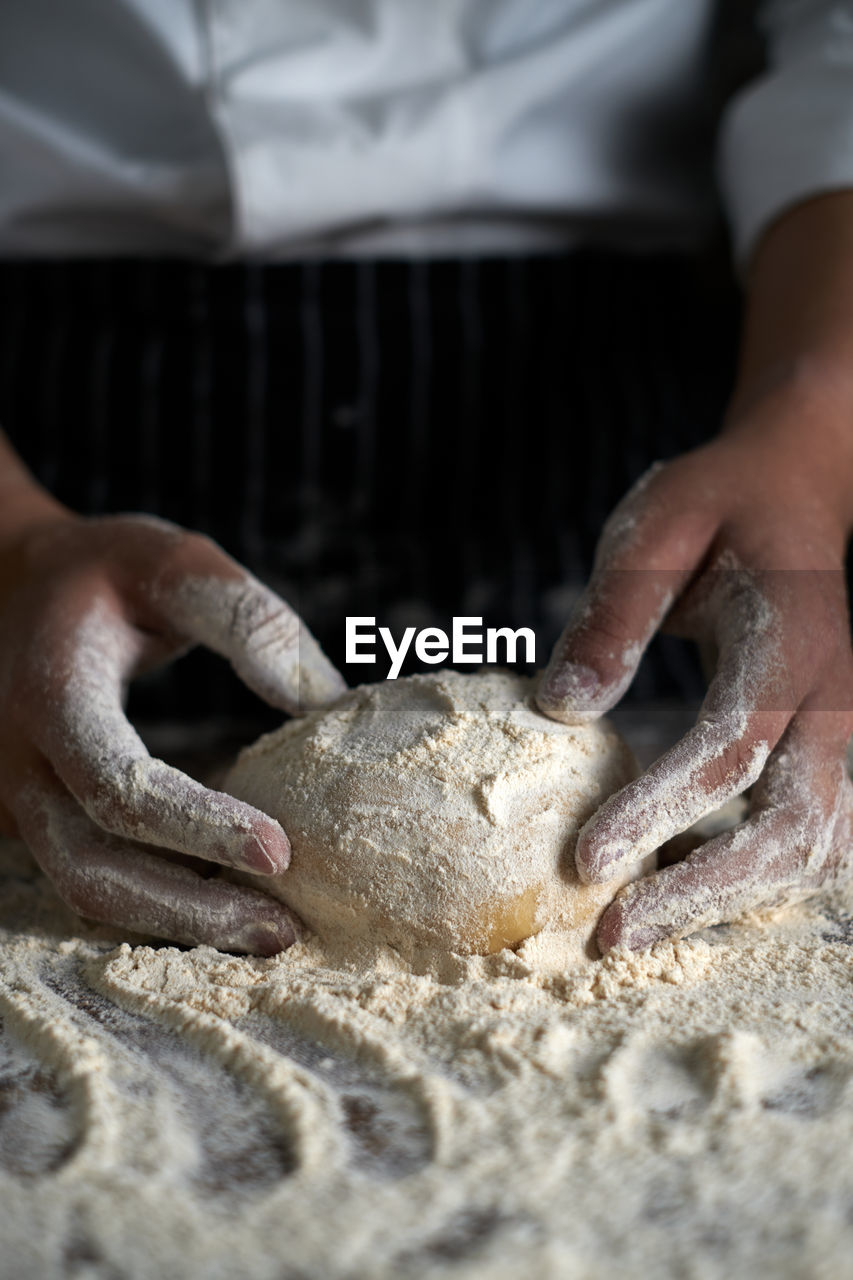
(438, 810)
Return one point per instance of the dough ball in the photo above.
(439, 811)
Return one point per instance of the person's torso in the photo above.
(280, 127)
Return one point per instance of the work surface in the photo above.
(172, 1113)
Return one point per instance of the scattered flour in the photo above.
(685, 1112)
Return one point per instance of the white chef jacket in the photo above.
(232, 128)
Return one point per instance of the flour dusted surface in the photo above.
(439, 810)
(182, 1114)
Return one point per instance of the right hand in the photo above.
(85, 605)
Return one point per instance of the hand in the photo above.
(738, 545)
(84, 606)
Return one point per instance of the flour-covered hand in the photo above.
(87, 605)
(739, 547)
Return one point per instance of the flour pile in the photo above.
(439, 810)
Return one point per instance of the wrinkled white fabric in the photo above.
(280, 127)
(789, 135)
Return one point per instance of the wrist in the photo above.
(798, 419)
(810, 380)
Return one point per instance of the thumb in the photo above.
(644, 560)
(204, 596)
(267, 644)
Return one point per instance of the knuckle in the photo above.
(186, 551)
(102, 805)
(737, 761)
(263, 622)
(820, 639)
(72, 889)
(139, 525)
(178, 554)
(197, 545)
(116, 799)
(605, 625)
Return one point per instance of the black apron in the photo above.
(404, 440)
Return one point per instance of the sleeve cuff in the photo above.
(787, 137)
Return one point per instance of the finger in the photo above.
(597, 656)
(797, 839)
(728, 876)
(208, 598)
(268, 645)
(747, 708)
(807, 778)
(83, 731)
(644, 560)
(103, 879)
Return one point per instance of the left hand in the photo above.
(740, 545)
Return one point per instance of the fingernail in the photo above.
(640, 939)
(320, 683)
(257, 856)
(615, 930)
(571, 684)
(596, 866)
(609, 932)
(269, 939)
